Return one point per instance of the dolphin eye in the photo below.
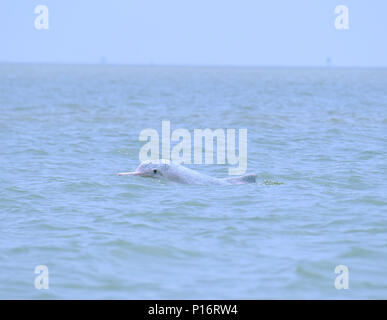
(154, 171)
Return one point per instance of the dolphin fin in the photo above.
(248, 178)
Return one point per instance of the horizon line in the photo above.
(198, 65)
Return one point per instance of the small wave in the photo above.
(271, 183)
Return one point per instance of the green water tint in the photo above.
(67, 130)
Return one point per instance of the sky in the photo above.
(195, 32)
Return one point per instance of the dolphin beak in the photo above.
(135, 173)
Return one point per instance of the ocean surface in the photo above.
(317, 139)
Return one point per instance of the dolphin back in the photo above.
(247, 178)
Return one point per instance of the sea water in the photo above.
(316, 140)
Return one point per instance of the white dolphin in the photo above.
(174, 172)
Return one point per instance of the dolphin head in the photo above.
(149, 168)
